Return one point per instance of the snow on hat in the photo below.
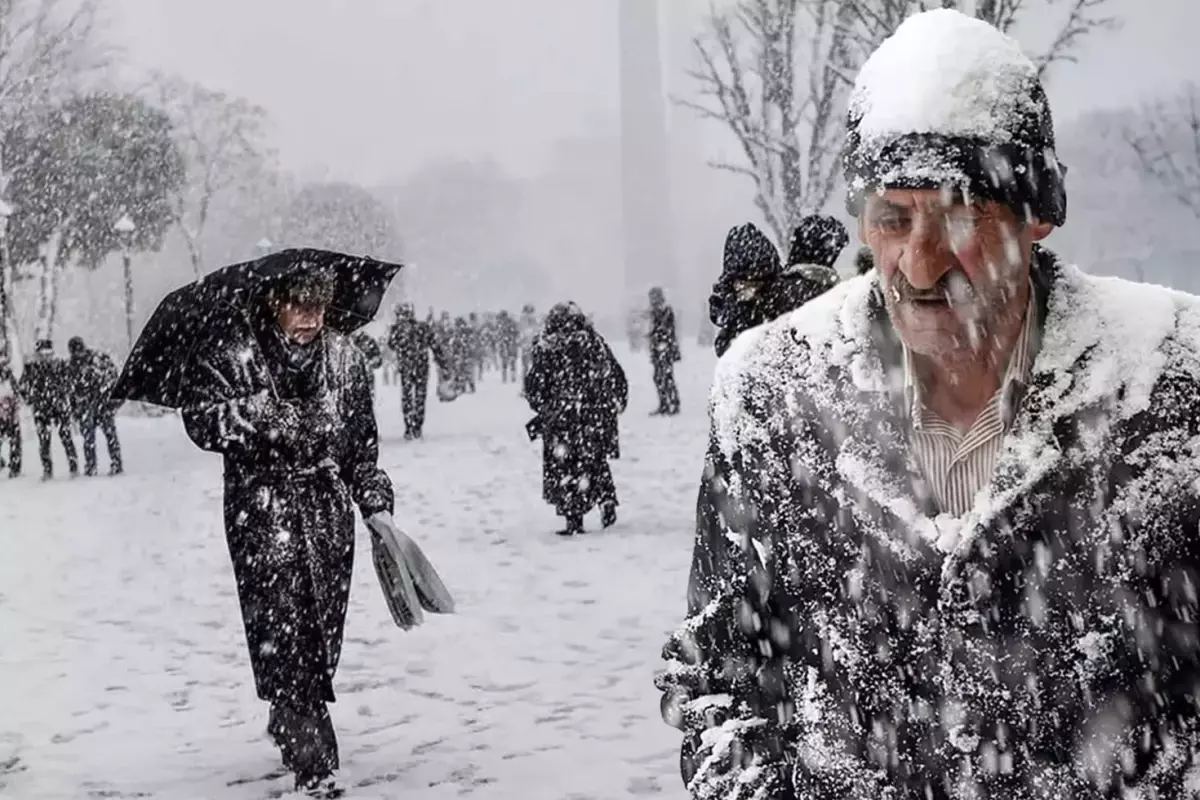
(817, 240)
(749, 255)
(949, 100)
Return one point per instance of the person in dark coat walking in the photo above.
(957, 495)
(577, 391)
(508, 345)
(413, 341)
(287, 403)
(92, 375)
(45, 386)
(10, 420)
(463, 344)
(664, 353)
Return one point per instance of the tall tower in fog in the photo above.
(645, 167)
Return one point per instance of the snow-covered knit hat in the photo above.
(950, 101)
(817, 240)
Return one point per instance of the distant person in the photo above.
(529, 325)
(463, 343)
(576, 390)
(664, 353)
(508, 345)
(413, 342)
(45, 386)
(92, 375)
(10, 420)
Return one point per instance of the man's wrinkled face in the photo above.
(300, 322)
(952, 273)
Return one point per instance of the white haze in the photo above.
(398, 94)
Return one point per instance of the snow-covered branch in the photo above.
(223, 142)
(783, 109)
(1167, 144)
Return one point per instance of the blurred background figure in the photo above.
(92, 375)
(10, 421)
(664, 353)
(413, 343)
(508, 345)
(576, 390)
(45, 387)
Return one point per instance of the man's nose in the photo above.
(927, 255)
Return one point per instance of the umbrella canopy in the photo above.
(154, 371)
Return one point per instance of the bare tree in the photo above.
(223, 141)
(1167, 143)
(46, 48)
(778, 74)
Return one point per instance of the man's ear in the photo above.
(1040, 230)
(862, 228)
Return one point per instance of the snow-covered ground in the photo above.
(122, 663)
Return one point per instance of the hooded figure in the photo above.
(287, 403)
(955, 498)
(754, 288)
(576, 389)
(663, 340)
(92, 375)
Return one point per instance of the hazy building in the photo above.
(645, 156)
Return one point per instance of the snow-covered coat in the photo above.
(578, 390)
(291, 482)
(1053, 653)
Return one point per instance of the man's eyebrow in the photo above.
(888, 207)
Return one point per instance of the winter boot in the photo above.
(322, 789)
(574, 525)
(608, 514)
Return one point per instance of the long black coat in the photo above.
(45, 386)
(663, 337)
(578, 390)
(835, 651)
(291, 482)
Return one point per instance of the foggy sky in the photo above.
(367, 90)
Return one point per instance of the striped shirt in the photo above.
(958, 464)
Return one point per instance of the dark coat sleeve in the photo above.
(537, 381)
(370, 487)
(229, 413)
(724, 684)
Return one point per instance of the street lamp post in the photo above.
(125, 228)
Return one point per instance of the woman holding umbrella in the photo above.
(263, 380)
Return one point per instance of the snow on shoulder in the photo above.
(943, 72)
(764, 362)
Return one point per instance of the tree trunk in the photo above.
(48, 287)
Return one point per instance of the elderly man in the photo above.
(959, 492)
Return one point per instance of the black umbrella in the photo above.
(154, 371)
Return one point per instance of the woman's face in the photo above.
(300, 323)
